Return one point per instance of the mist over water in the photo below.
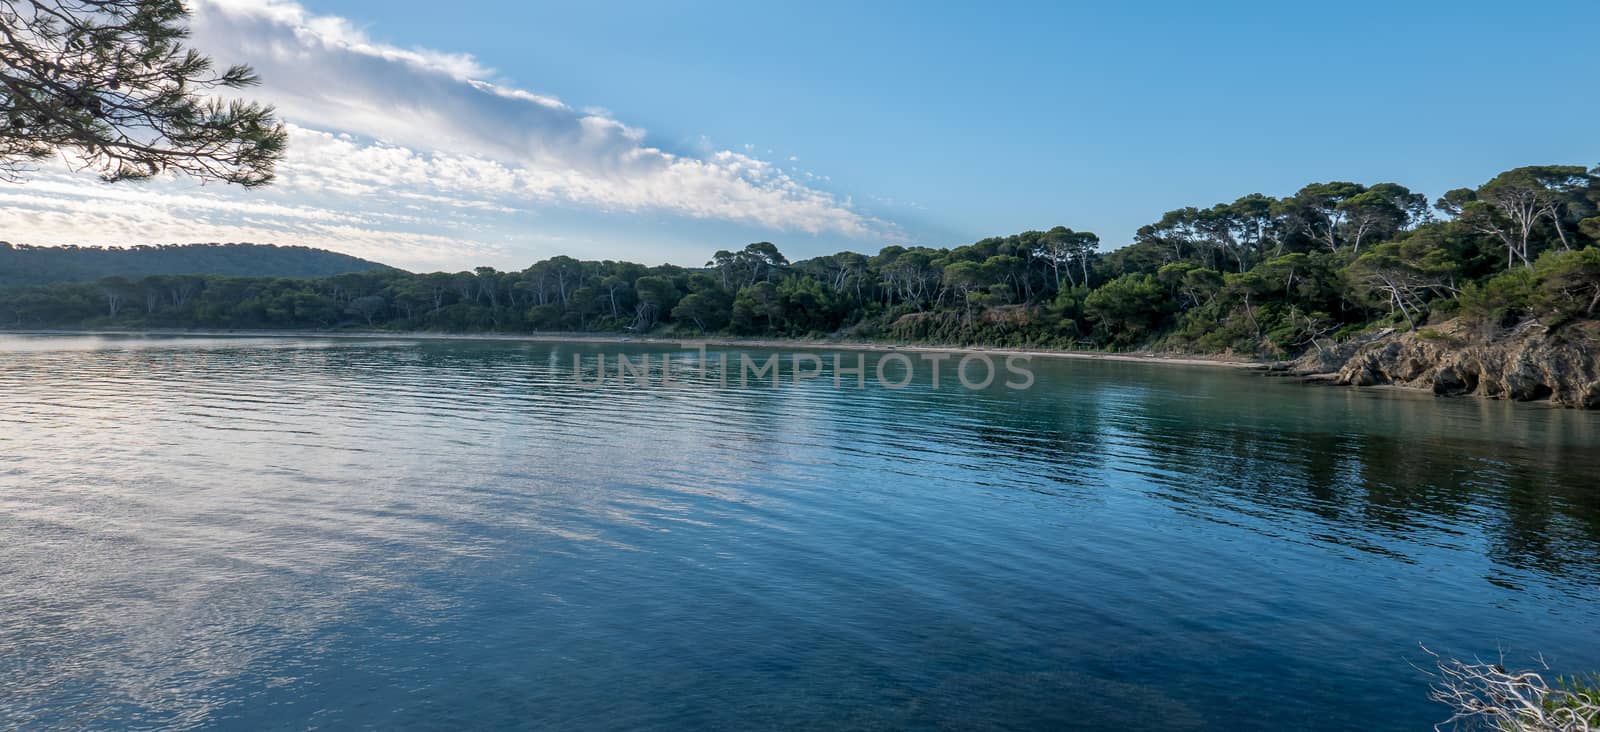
(249, 533)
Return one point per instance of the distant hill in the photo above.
(21, 264)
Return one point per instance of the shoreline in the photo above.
(721, 341)
(1265, 368)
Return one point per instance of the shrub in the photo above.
(1502, 299)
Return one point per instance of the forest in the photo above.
(32, 265)
(1258, 276)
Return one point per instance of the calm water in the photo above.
(297, 533)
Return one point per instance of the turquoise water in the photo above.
(296, 533)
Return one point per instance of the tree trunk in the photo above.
(1555, 220)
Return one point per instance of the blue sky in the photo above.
(687, 127)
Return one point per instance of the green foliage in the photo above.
(1580, 692)
(1127, 310)
(1429, 334)
(1564, 284)
(1257, 276)
(112, 81)
(1528, 210)
(708, 310)
(758, 308)
(1570, 281)
(1502, 299)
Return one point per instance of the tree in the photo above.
(1564, 194)
(1197, 284)
(745, 267)
(615, 287)
(965, 278)
(117, 291)
(1257, 224)
(849, 269)
(1246, 276)
(1591, 227)
(1401, 276)
(111, 82)
(367, 307)
(909, 275)
(1127, 308)
(1178, 232)
(1381, 212)
(1318, 210)
(758, 301)
(488, 284)
(1572, 280)
(1244, 286)
(567, 273)
(1007, 272)
(657, 295)
(709, 310)
(1510, 206)
(1062, 248)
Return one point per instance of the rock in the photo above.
(1453, 381)
(1591, 396)
(1527, 363)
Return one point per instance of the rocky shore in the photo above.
(1529, 362)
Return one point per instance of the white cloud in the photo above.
(446, 111)
(417, 158)
(55, 209)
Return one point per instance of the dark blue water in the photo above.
(303, 533)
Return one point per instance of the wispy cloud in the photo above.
(449, 112)
(419, 147)
(65, 209)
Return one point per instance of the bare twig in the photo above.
(1486, 696)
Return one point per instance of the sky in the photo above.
(490, 132)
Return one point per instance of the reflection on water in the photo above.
(242, 533)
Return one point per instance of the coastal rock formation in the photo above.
(1530, 362)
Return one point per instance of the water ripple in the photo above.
(238, 533)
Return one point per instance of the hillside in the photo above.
(29, 265)
(1451, 301)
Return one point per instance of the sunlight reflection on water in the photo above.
(216, 532)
